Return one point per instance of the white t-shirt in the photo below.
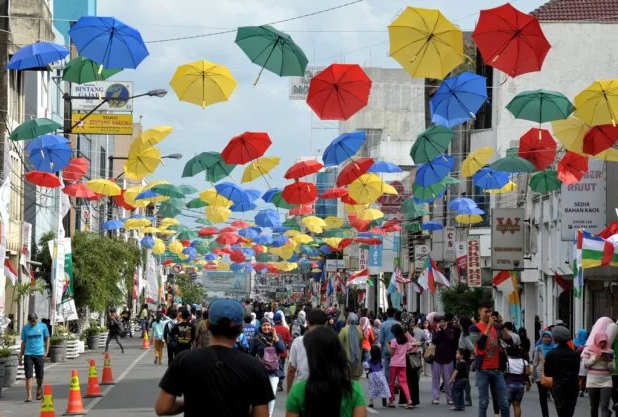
(298, 359)
(517, 366)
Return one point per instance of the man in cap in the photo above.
(562, 364)
(219, 377)
(34, 349)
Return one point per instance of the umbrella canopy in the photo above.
(571, 133)
(300, 210)
(540, 106)
(280, 202)
(600, 138)
(104, 187)
(142, 164)
(448, 180)
(246, 147)
(510, 40)
(476, 160)
(76, 169)
(429, 193)
(431, 225)
(366, 189)
(259, 167)
(339, 91)
(233, 192)
(78, 190)
(43, 179)
(268, 195)
(300, 193)
(196, 203)
(219, 170)
(538, 147)
(572, 168)
(353, 170)
(112, 225)
(267, 218)
(37, 55)
(597, 104)
(272, 50)
(462, 203)
(108, 42)
(508, 188)
(343, 148)
(49, 153)
(81, 70)
(302, 169)
(431, 143)
(34, 128)
(458, 99)
(168, 190)
(513, 163)
(469, 218)
(384, 167)
(433, 172)
(149, 138)
(203, 83)
(334, 193)
(425, 43)
(412, 210)
(200, 163)
(545, 182)
(370, 214)
(489, 179)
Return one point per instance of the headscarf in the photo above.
(599, 337)
(547, 347)
(600, 325)
(365, 326)
(580, 340)
(301, 319)
(254, 319)
(355, 356)
(377, 323)
(283, 322)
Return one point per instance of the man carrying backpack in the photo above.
(115, 329)
(170, 340)
(184, 331)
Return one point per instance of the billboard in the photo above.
(390, 204)
(448, 246)
(299, 86)
(332, 265)
(87, 96)
(421, 252)
(224, 284)
(103, 124)
(474, 261)
(507, 239)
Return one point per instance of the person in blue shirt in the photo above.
(249, 329)
(386, 335)
(34, 349)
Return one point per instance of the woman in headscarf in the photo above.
(580, 339)
(525, 343)
(254, 320)
(300, 325)
(598, 359)
(368, 337)
(284, 323)
(538, 358)
(412, 374)
(377, 328)
(351, 337)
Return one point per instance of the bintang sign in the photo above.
(474, 261)
(507, 239)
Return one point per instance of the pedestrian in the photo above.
(515, 377)
(413, 362)
(115, 329)
(298, 368)
(598, 359)
(538, 362)
(385, 338)
(285, 336)
(562, 365)
(459, 379)
(226, 381)
(32, 353)
(445, 341)
(329, 391)
(171, 341)
(242, 344)
(426, 340)
(183, 332)
(525, 343)
(401, 344)
(143, 319)
(267, 346)
(378, 386)
(158, 328)
(351, 338)
(300, 325)
(283, 321)
(202, 336)
(249, 329)
(377, 328)
(368, 337)
(125, 315)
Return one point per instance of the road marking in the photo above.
(120, 378)
(372, 411)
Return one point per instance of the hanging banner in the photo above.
(25, 255)
(474, 261)
(152, 285)
(448, 245)
(507, 239)
(362, 259)
(67, 308)
(375, 255)
(421, 252)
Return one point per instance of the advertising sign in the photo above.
(583, 204)
(390, 204)
(224, 284)
(362, 259)
(507, 239)
(421, 252)
(332, 265)
(460, 252)
(375, 255)
(299, 86)
(474, 261)
(448, 247)
(87, 96)
(103, 124)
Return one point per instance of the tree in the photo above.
(191, 292)
(41, 254)
(462, 300)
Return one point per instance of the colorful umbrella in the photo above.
(413, 227)
(540, 106)
(458, 99)
(37, 55)
(429, 193)
(104, 187)
(219, 171)
(339, 91)
(81, 70)
(370, 214)
(448, 180)
(196, 203)
(43, 179)
(34, 128)
(260, 167)
(150, 137)
(168, 190)
(49, 153)
(268, 195)
(469, 218)
(432, 225)
(78, 190)
(513, 163)
(228, 238)
(112, 225)
(76, 169)
(384, 167)
(366, 189)
(278, 201)
(489, 179)
(300, 193)
(425, 43)
(510, 40)
(300, 211)
(476, 160)
(600, 138)
(353, 170)
(142, 164)
(571, 133)
(302, 169)
(412, 210)
(200, 162)
(203, 83)
(462, 203)
(538, 147)
(508, 188)
(572, 168)
(545, 182)
(246, 147)
(433, 172)
(343, 148)
(597, 104)
(267, 218)
(431, 143)
(334, 193)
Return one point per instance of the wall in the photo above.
(71, 10)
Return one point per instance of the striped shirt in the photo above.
(599, 371)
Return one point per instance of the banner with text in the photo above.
(474, 261)
(507, 239)
(448, 245)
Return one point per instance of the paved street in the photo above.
(136, 389)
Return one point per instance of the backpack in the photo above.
(171, 340)
(270, 357)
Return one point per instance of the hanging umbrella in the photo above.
(149, 138)
(353, 170)
(540, 106)
(302, 169)
(489, 179)
(279, 201)
(512, 162)
(384, 167)
(425, 43)
(219, 171)
(429, 193)
(243, 206)
(228, 238)
(151, 196)
(112, 225)
(108, 42)
(334, 193)
(370, 214)
(469, 218)
(538, 147)
(81, 70)
(333, 222)
(314, 224)
(510, 40)
(186, 234)
(246, 147)
(269, 194)
(476, 160)
(272, 50)
(448, 180)
(412, 210)
(413, 227)
(76, 169)
(300, 193)
(597, 104)
(103, 187)
(545, 182)
(186, 189)
(571, 133)
(339, 91)
(470, 211)
(433, 172)
(34, 128)
(43, 179)
(458, 99)
(259, 167)
(37, 55)
(200, 162)
(203, 83)
(600, 138)
(431, 225)
(572, 168)
(343, 147)
(49, 153)
(462, 203)
(171, 208)
(300, 211)
(208, 231)
(508, 188)
(142, 164)
(366, 189)
(135, 223)
(232, 192)
(195, 203)
(78, 190)
(431, 143)
(168, 190)
(267, 218)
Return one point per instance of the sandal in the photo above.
(27, 400)
(409, 406)
(391, 405)
(39, 394)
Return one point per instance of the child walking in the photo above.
(398, 348)
(459, 380)
(378, 387)
(515, 377)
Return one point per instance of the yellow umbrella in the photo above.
(370, 214)
(354, 208)
(333, 242)
(508, 188)
(425, 43)
(151, 230)
(610, 154)
(475, 161)
(175, 247)
(597, 104)
(148, 139)
(302, 238)
(159, 247)
(571, 133)
(168, 232)
(366, 189)
(333, 222)
(469, 218)
(203, 83)
(104, 187)
(314, 224)
(169, 221)
(291, 233)
(259, 167)
(136, 223)
(218, 214)
(223, 266)
(388, 189)
(142, 164)
(212, 197)
(130, 194)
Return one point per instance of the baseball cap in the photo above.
(278, 317)
(226, 308)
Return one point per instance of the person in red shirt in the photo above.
(285, 335)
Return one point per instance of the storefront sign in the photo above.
(507, 239)
(299, 86)
(421, 252)
(362, 259)
(448, 245)
(474, 261)
(332, 265)
(87, 96)
(102, 124)
(460, 252)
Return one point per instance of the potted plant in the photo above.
(8, 358)
(58, 348)
(92, 337)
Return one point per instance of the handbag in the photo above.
(547, 382)
(415, 360)
(430, 353)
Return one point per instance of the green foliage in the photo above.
(7, 339)
(5, 352)
(191, 292)
(42, 255)
(462, 300)
(92, 331)
(26, 290)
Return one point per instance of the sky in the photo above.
(353, 34)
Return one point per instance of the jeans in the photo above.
(398, 372)
(441, 370)
(495, 379)
(274, 380)
(565, 402)
(457, 392)
(543, 400)
(171, 352)
(143, 324)
(468, 389)
(387, 366)
(599, 398)
(109, 338)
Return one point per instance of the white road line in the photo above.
(372, 411)
(120, 378)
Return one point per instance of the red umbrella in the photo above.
(43, 179)
(210, 267)
(572, 168)
(257, 248)
(77, 168)
(339, 91)
(334, 193)
(241, 224)
(168, 262)
(238, 256)
(353, 170)
(96, 197)
(246, 147)
(259, 266)
(78, 190)
(228, 238)
(376, 231)
(120, 201)
(538, 147)
(373, 241)
(300, 210)
(302, 169)
(600, 138)
(358, 224)
(348, 200)
(510, 40)
(208, 231)
(345, 243)
(393, 228)
(228, 229)
(300, 193)
(185, 243)
(227, 251)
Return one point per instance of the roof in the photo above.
(578, 10)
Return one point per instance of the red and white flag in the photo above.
(418, 288)
(504, 281)
(361, 296)
(432, 276)
(359, 278)
(9, 271)
(399, 278)
(562, 285)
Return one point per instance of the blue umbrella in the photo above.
(470, 211)
(293, 258)
(46, 141)
(280, 229)
(147, 242)
(37, 55)
(249, 268)
(263, 240)
(462, 203)
(433, 172)
(268, 195)
(137, 216)
(458, 99)
(325, 249)
(243, 206)
(147, 194)
(279, 241)
(248, 233)
(108, 41)
(431, 225)
(112, 225)
(233, 192)
(253, 194)
(342, 148)
(237, 267)
(488, 179)
(248, 252)
(384, 166)
(210, 257)
(51, 159)
(257, 229)
(267, 218)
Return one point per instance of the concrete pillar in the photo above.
(372, 294)
(578, 312)
(530, 308)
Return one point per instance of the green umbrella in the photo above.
(196, 203)
(171, 208)
(427, 193)
(540, 106)
(34, 128)
(334, 233)
(545, 182)
(168, 190)
(187, 189)
(412, 210)
(219, 170)
(431, 143)
(262, 257)
(448, 180)
(203, 221)
(202, 247)
(513, 163)
(186, 234)
(413, 227)
(200, 163)
(81, 70)
(272, 50)
(278, 201)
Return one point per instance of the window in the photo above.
(483, 117)
(374, 137)
(103, 163)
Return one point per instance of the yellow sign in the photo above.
(103, 124)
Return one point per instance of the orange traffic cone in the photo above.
(107, 378)
(47, 406)
(75, 406)
(94, 390)
(145, 341)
